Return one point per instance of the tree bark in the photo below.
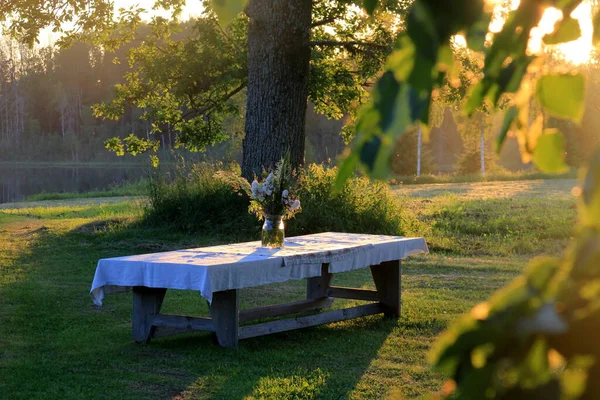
(278, 68)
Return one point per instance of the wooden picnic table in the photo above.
(218, 272)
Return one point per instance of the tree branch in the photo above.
(214, 103)
(334, 43)
(324, 21)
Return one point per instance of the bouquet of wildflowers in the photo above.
(274, 195)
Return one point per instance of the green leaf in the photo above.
(534, 369)
(475, 98)
(478, 31)
(227, 10)
(369, 151)
(549, 153)
(509, 117)
(384, 99)
(370, 5)
(562, 95)
(445, 57)
(346, 170)
(565, 30)
(154, 161)
(399, 106)
(420, 26)
(401, 62)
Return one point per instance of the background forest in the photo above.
(47, 94)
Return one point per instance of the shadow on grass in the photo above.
(54, 343)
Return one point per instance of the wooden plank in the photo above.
(284, 309)
(316, 287)
(339, 292)
(183, 322)
(388, 280)
(308, 321)
(146, 304)
(225, 316)
(169, 325)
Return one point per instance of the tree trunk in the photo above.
(278, 67)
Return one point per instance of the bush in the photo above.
(470, 162)
(199, 200)
(202, 201)
(361, 206)
(404, 157)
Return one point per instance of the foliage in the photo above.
(423, 61)
(404, 159)
(534, 337)
(190, 77)
(184, 77)
(361, 206)
(200, 200)
(276, 194)
(542, 324)
(469, 162)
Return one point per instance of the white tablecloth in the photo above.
(236, 266)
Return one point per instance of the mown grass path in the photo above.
(54, 343)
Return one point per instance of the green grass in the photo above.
(54, 343)
(494, 218)
(138, 188)
(489, 177)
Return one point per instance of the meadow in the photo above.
(54, 343)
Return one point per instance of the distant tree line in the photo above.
(47, 94)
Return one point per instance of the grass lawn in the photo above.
(54, 343)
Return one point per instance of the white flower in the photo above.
(255, 189)
(269, 182)
(268, 191)
(284, 194)
(295, 205)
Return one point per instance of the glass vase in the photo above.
(273, 232)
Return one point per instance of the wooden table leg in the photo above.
(146, 304)
(316, 287)
(388, 278)
(224, 311)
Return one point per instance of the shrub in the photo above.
(361, 206)
(201, 201)
(404, 157)
(470, 162)
(198, 200)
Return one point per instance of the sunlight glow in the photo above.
(576, 52)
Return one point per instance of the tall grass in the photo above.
(202, 200)
(361, 206)
(199, 200)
